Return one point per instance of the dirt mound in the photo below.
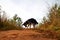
(22, 35)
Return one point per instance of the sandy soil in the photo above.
(22, 35)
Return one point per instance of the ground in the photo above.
(22, 35)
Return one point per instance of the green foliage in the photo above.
(17, 20)
(53, 21)
(9, 24)
(15, 17)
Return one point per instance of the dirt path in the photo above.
(21, 35)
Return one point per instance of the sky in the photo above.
(27, 9)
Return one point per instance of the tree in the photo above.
(54, 16)
(44, 19)
(15, 17)
(17, 20)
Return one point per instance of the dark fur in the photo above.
(30, 21)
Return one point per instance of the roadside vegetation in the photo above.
(51, 25)
(9, 24)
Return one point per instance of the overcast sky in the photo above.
(27, 9)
